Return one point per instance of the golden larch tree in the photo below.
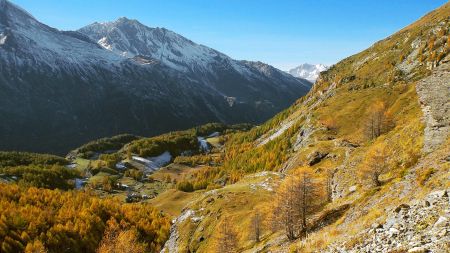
(117, 240)
(227, 237)
(379, 120)
(376, 162)
(300, 195)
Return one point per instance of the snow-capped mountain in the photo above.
(307, 71)
(130, 38)
(59, 89)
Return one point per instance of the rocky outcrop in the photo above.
(434, 94)
(172, 243)
(420, 226)
(316, 157)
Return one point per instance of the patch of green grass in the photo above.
(98, 178)
(82, 163)
(214, 141)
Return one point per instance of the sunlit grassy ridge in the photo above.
(354, 84)
(336, 113)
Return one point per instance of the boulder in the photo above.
(418, 250)
(316, 157)
(352, 189)
(377, 226)
(400, 207)
(441, 222)
(394, 231)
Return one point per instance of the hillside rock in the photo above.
(434, 94)
(423, 226)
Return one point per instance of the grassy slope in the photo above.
(237, 202)
(173, 201)
(344, 93)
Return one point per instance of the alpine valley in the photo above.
(361, 163)
(59, 89)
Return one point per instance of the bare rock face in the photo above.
(434, 94)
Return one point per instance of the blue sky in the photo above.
(283, 33)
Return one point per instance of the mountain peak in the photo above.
(125, 20)
(308, 71)
(122, 19)
(153, 67)
(129, 38)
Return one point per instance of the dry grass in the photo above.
(424, 175)
(173, 201)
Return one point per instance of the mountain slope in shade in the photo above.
(307, 71)
(59, 89)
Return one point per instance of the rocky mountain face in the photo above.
(59, 89)
(307, 71)
(131, 39)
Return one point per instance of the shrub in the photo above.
(135, 174)
(185, 186)
(200, 185)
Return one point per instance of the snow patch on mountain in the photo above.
(154, 163)
(307, 71)
(3, 38)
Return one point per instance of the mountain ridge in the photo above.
(46, 72)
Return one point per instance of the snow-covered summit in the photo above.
(307, 71)
(129, 38)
